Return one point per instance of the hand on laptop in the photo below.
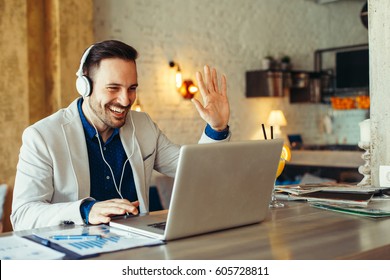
(101, 212)
(215, 109)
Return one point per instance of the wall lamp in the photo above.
(186, 88)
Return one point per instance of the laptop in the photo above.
(217, 186)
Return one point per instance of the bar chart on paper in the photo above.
(95, 244)
(97, 239)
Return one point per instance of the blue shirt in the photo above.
(102, 185)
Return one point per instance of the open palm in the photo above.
(215, 109)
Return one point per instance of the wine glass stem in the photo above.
(274, 203)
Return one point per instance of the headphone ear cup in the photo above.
(84, 86)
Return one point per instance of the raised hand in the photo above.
(215, 109)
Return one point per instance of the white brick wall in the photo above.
(232, 35)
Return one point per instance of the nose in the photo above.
(126, 98)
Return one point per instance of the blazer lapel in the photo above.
(77, 147)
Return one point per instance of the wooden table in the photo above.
(297, 231)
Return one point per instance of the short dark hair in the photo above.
(108, 49)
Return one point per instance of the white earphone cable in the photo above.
(104, 159)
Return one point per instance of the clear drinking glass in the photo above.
(285, 156)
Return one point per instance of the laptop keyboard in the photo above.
(158, 225)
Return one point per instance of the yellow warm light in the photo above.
(192, 89)
(137, 106)
(186, 88)
(179, 79)
(276, 119)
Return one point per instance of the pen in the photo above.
(41, 240)
(75, 237)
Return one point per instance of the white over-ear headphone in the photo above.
(83, 83)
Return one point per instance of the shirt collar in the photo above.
(88, 128)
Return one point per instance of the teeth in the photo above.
(117, 110)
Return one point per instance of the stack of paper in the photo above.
(331, 193)
(350, 199)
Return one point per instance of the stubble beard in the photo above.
(105, 116)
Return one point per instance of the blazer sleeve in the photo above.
(32, 205)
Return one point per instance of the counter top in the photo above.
(346, 159)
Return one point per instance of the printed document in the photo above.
(110, 239)
(14, 247)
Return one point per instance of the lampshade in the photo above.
(276, 118)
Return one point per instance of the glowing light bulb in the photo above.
(179, 79)
(192, 89)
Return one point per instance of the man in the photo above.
(94, 159)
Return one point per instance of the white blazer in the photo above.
(53, 177)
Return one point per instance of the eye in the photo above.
(112, 89)
(132, 88)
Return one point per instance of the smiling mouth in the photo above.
(119, 112)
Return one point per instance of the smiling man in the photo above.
(94, 159)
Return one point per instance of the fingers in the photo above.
(209, 84)
(201, 84)
(224, 85)
(215, 109)
(215, 79)
(101, 212)
(211, 79)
